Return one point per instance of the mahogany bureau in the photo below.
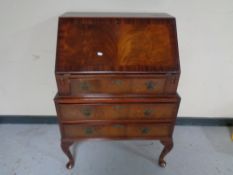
(117, 76)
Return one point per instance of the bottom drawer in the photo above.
(116, 130)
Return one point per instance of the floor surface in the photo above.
(35, 150)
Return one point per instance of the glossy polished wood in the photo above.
(116, 130)
(150, 84)
(118, 111)
(117, 85)
(117, 76)
(116, 44)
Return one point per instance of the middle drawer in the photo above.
(129, 111)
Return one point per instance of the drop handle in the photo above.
(145, 130)
(87, 112)
(84, 86)
(150, 85)
(117, 82)
(148, 112)
(119, 107)
(119, 126)
(89, 131)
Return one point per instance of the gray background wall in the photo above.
(28, 41)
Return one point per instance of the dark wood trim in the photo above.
(50, 119)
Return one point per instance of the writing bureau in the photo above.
(117, 77)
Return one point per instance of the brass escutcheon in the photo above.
(118, 126)
(145, 130)
(84, 86)
(150, 85)
(89, 130)
(117, 82)
(118, 107)
(86, 111)
(148, 112)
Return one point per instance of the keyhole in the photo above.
(100, 54)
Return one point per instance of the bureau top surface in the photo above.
(116, 43)
(115, 15)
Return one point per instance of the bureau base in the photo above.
(166, 142)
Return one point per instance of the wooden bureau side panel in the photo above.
(63, 84)
(77, 112)
(116, 130)
(172, 81)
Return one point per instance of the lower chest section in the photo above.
(119, 118)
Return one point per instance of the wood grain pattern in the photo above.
(117, 86)
(77, 112)
(116, 99)
(76, 85)
(125, 44)
(116, 130)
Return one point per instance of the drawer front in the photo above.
(117, 130)
(117, 86)
(156, 111)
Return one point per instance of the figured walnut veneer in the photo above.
(116, 130)
(126, 44)
(149, 111)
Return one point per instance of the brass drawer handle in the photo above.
(118, 126)
(145, 130)
(150, 85)
(117, 82)
(148, 112)
(89, 131)
(84, 86)
(86, 111)
(118, 107)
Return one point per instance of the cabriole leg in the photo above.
(65, 145)
(168, 145)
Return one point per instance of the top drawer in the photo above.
(127, 85)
